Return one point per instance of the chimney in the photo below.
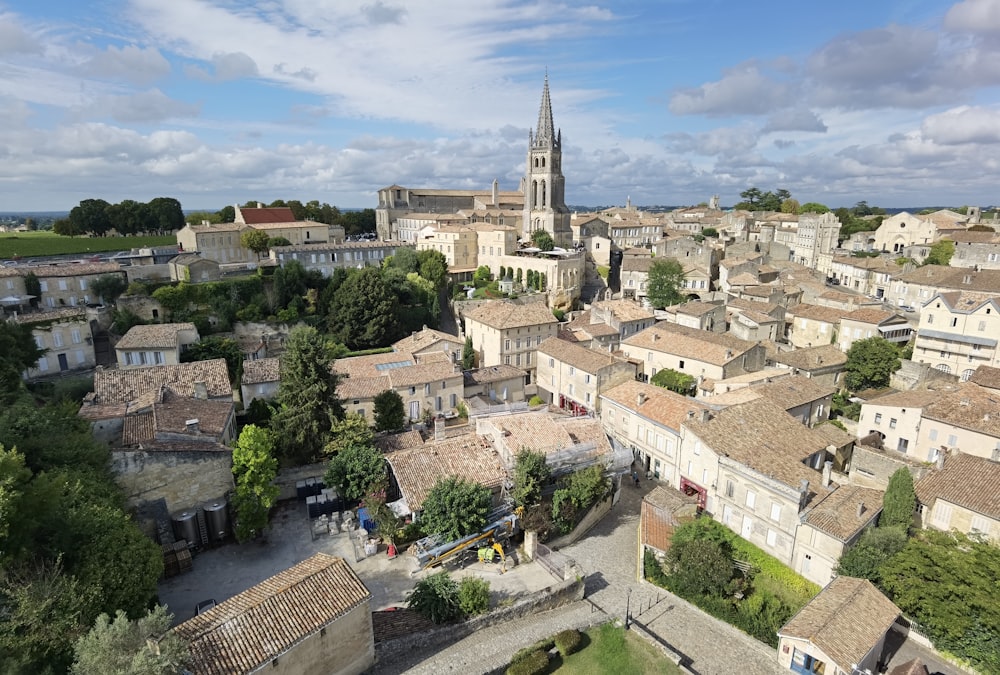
(200, 391)
(861, 508)
(705, 415)
(640, 399)
(804, 487)
(940, 458)
(260, 205)
(192, 426)
(496, 192)
(690, 414)
(827, 473)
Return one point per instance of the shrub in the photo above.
(533, 663)
(568, 641)
(653, 570)
(474, 595)
(436, 597)
(535, 400)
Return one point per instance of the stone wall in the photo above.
(287, 478)
(177, 480)
(344, 647)
(597, 512)
(143, 306)
(911, 374)
(872, 468)
(554, 596)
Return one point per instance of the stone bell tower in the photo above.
(544, 185)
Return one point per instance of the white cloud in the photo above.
(225, 67)
(15, 39)
(963, 125)
(742, 91)
(139, 108)
(794, 119)
(130, 63)
(974, 16)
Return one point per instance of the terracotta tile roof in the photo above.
(834, 435)
(404, 440)
(664, 508)
(748, 315)
(625, 310)
(191, 258)
(967, 481)
(345, 246)
(56, 315)
(271, 214)
(585, 321)
(790, 392)
(250, 629)
(259, 371)
(916, 398)
(837, 513)
(845, 620)
(818, 313)
(970, 407)
(424, 339)
(154, 335)
(500, 314)
(173, 412)
(701, 345)
(182, 446)
(122, 386)
(659, 405)
(369, 366)
(871, 315)
(435, 371)
(911, 667)
(967, 302)
(362, 387)
(72, 270)
(217, 227)
(549, 434)
(585, 359)
(762, 436)
(751, 305)
(493, 374)
(944, 277)
(138, 428)
(637, 264)
(467, 457)
(986, 376)
(695, 308)
(811, 358)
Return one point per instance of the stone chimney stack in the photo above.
(706, 415)
(640, 399)
(940, 458)
(496, 192)
(803, 493)
(200, 391)
(861, 508)
(827, 473)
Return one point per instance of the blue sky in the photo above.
(216, 102)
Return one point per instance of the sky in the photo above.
(217, 102)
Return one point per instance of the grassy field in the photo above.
(611, 650)
(31, 244)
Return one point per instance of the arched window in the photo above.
(543, 162)
(536, 162)
(966, 374)
(543, 193)
(534, 193)
(944, 368)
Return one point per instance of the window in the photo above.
(506, 345)
(775, 511)
(680, 364)
(588, 397)
(572, 370)
(878, 418)
(689, 468)
(942, 515)
(933, 434)
(586, 378)
(930, 318)
(83, 284)
(427, 389)
(413, 391)
(552, 363)
(954, 321)
(158, 358)
(649, 356)
(772, 537)
(751, 499)
(43, 285)
(982, 326)
(571, 389)
(75, 335)
(43, 364)
(952, 440)
(552, 380)
(892, 422)
(697, 447)
(80, 358)
(437, 404)
(62, 285)
(57, 339)
(980, 524)
(39, 342)
(730, 488)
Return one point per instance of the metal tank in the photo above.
(186, 527)
(217, 520)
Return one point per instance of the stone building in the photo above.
(328, 257)
(155, 344)
(958, 332)
(65, 335)
(573, 377)
(699, 353)
(961, 495)
(503, 333)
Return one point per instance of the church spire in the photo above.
(545, 133)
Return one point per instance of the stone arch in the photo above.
(944, 368)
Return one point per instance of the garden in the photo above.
(607, 648)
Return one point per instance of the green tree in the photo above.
(790, 206)
(363, 311)
(405, 259)
(710, 232)
(65, 227)
(473, 595)
(165, 214)
(108, 287)
(433, 267)
(468, 354)
(255, 240)
(18, 352)
(531, 474)
(581, 490)
(814, 207)
(227, 214)
(33, 288)
(307, 402)
(674, 381)
(277, 241)
(482, 276)
(700, 567)
(870, 363)
(455, 507)
(899, 501)
(123, 647)
(940, 253)
(174, 299)
(254, 468)
(436, 597)
(352, 430)
(542, 240)
(666, 278)
(388, 411)
(357, 471)
(873, 549)
(91, 216)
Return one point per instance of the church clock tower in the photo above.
(544, 185)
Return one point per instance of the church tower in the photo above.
(544, 185)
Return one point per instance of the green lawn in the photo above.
(30, 244)
(610, 649)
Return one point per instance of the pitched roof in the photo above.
(967, 481)
(154, 335)
(423, 339)
(271, 214)
(695, 308)
(986, 376)
(944, 277)
(493, 374)
(259, 371)
(637, 264)
(762, 436)
(570, 353)
(837, 513)
(811, 358)
(501, 314)
(915, 398)
(71, 270)
(172, 413)
(658, 405)
(123, 386)
(818, 313)
(250, 629)
(970, 407)
(625, 310)
(911, 667)
(549, 435)
(790, 392)
(659, 513)
(62, 315)
(416, 470)
(701, 345)
(845, 620)
(871, 315)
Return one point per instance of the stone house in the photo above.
(841, 630)
(833, 526)
(903, 230)
(979, 250)
(429, 341)
(917, 287)
(645, 421)
(754, 326)
(862, 324)
(698, 353)
(314, 618)
(896, 419)
(965, 419)
(65, 335)
(869, 276)
(192, 268)
(261, 379)
(573, 377)
(813, 325)
(824, 363)
(663, 509)
(626, 317)
(756, 468)
(495, 384)
(155, 344)
(635, 276)
(327, 257)
(60, 285)
(504, 333)
(458, 244)
(585, 331)
(958, 332)
(961, 495)
(707, 316)
(804, 398)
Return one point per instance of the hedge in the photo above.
(568, 641)
(533, 663)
